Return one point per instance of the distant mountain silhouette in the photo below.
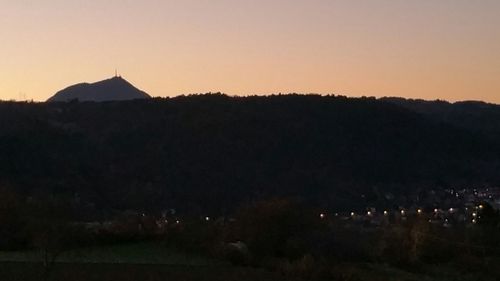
(114, 89)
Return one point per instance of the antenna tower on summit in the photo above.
(116, 73)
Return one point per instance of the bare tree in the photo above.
(52, 232)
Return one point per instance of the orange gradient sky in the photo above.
(446, 49)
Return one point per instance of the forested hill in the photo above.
(471, 115)
(215, 152)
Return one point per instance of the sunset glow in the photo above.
(447, 49)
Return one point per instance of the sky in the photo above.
(440, 49)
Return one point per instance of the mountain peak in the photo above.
(112, 89)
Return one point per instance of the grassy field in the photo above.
(138, 261)
(127, 272)
(444, 272)
(152, 261)
(136, 253)
(28, 271)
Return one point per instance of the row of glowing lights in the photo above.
(206, 219)
(403, 212)
(369, 213)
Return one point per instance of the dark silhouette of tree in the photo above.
(52, 231)
(275, 228)
(12, 226)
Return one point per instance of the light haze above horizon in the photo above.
(446, 49)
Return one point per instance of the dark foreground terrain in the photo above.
(288, 187)
(135, 272)
(140, 272)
